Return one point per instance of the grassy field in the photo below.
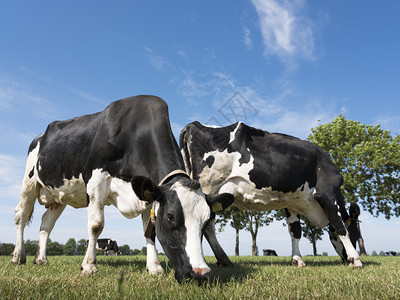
(125, 277)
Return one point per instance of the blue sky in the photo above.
(290, 65)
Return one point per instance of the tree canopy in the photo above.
(369, 160)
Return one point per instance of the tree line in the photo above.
(367, 156)
(71, 247)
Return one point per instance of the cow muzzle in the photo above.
(200, 274)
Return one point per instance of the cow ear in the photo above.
(220, 202)
(145, 189)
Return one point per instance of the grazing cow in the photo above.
(268, 171)
(107, 246)
(269, 252)
(124, 156)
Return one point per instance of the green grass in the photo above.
(125, 277)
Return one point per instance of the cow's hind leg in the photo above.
(95, 227)
(331, 206)
(294, 227)
(153, 265)
(209, 233)
(23, 213)
(49, 218)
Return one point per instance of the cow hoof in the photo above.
(18, 260)
(155, 270)
(89, 270)
(355, 263)
(225, 263)
(39, 262)
(297, 260)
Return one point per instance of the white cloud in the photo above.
(18, 97)
(87, 96)
(286, 32)
(275, 113)
(248, 42)
(157, 61)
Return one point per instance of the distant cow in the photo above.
(269, 252)
(107, 246)
(269, 171)
(124, 156)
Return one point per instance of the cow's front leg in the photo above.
(153, 265)
(95, 227)
(352, 254)
(49, 218)
(294, 227)
(220, 255)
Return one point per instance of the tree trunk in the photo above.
(254, 247)
(314, 246)
(237, 243)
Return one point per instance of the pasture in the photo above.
(125, 277)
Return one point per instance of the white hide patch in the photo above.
(233, 133)
(72, 192)
(226, 175)
(101, 187)
(196, 212)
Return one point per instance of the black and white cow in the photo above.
(269, 252)
(268, 171)
(124, 156)
(107, 246)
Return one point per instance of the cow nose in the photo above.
(202, 272)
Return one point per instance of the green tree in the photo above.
(312, 233)
(31, 247)
(369, 160)
(237, 220)
(81, 247)
(136, 252)
(125, 250)
(54, 248)
(255, 220)
(6, 248)
(70, 247)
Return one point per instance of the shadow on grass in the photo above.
(243, 267)
(124, 261)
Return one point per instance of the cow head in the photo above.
(353, 226)
(183, 211)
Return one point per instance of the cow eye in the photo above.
(170, 217)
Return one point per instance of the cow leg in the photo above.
(49, 218)
(294, 227)
(23, 213)
(209, 233)
(337, 244)
(95, 227)
(328, 201)
(153, 265)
